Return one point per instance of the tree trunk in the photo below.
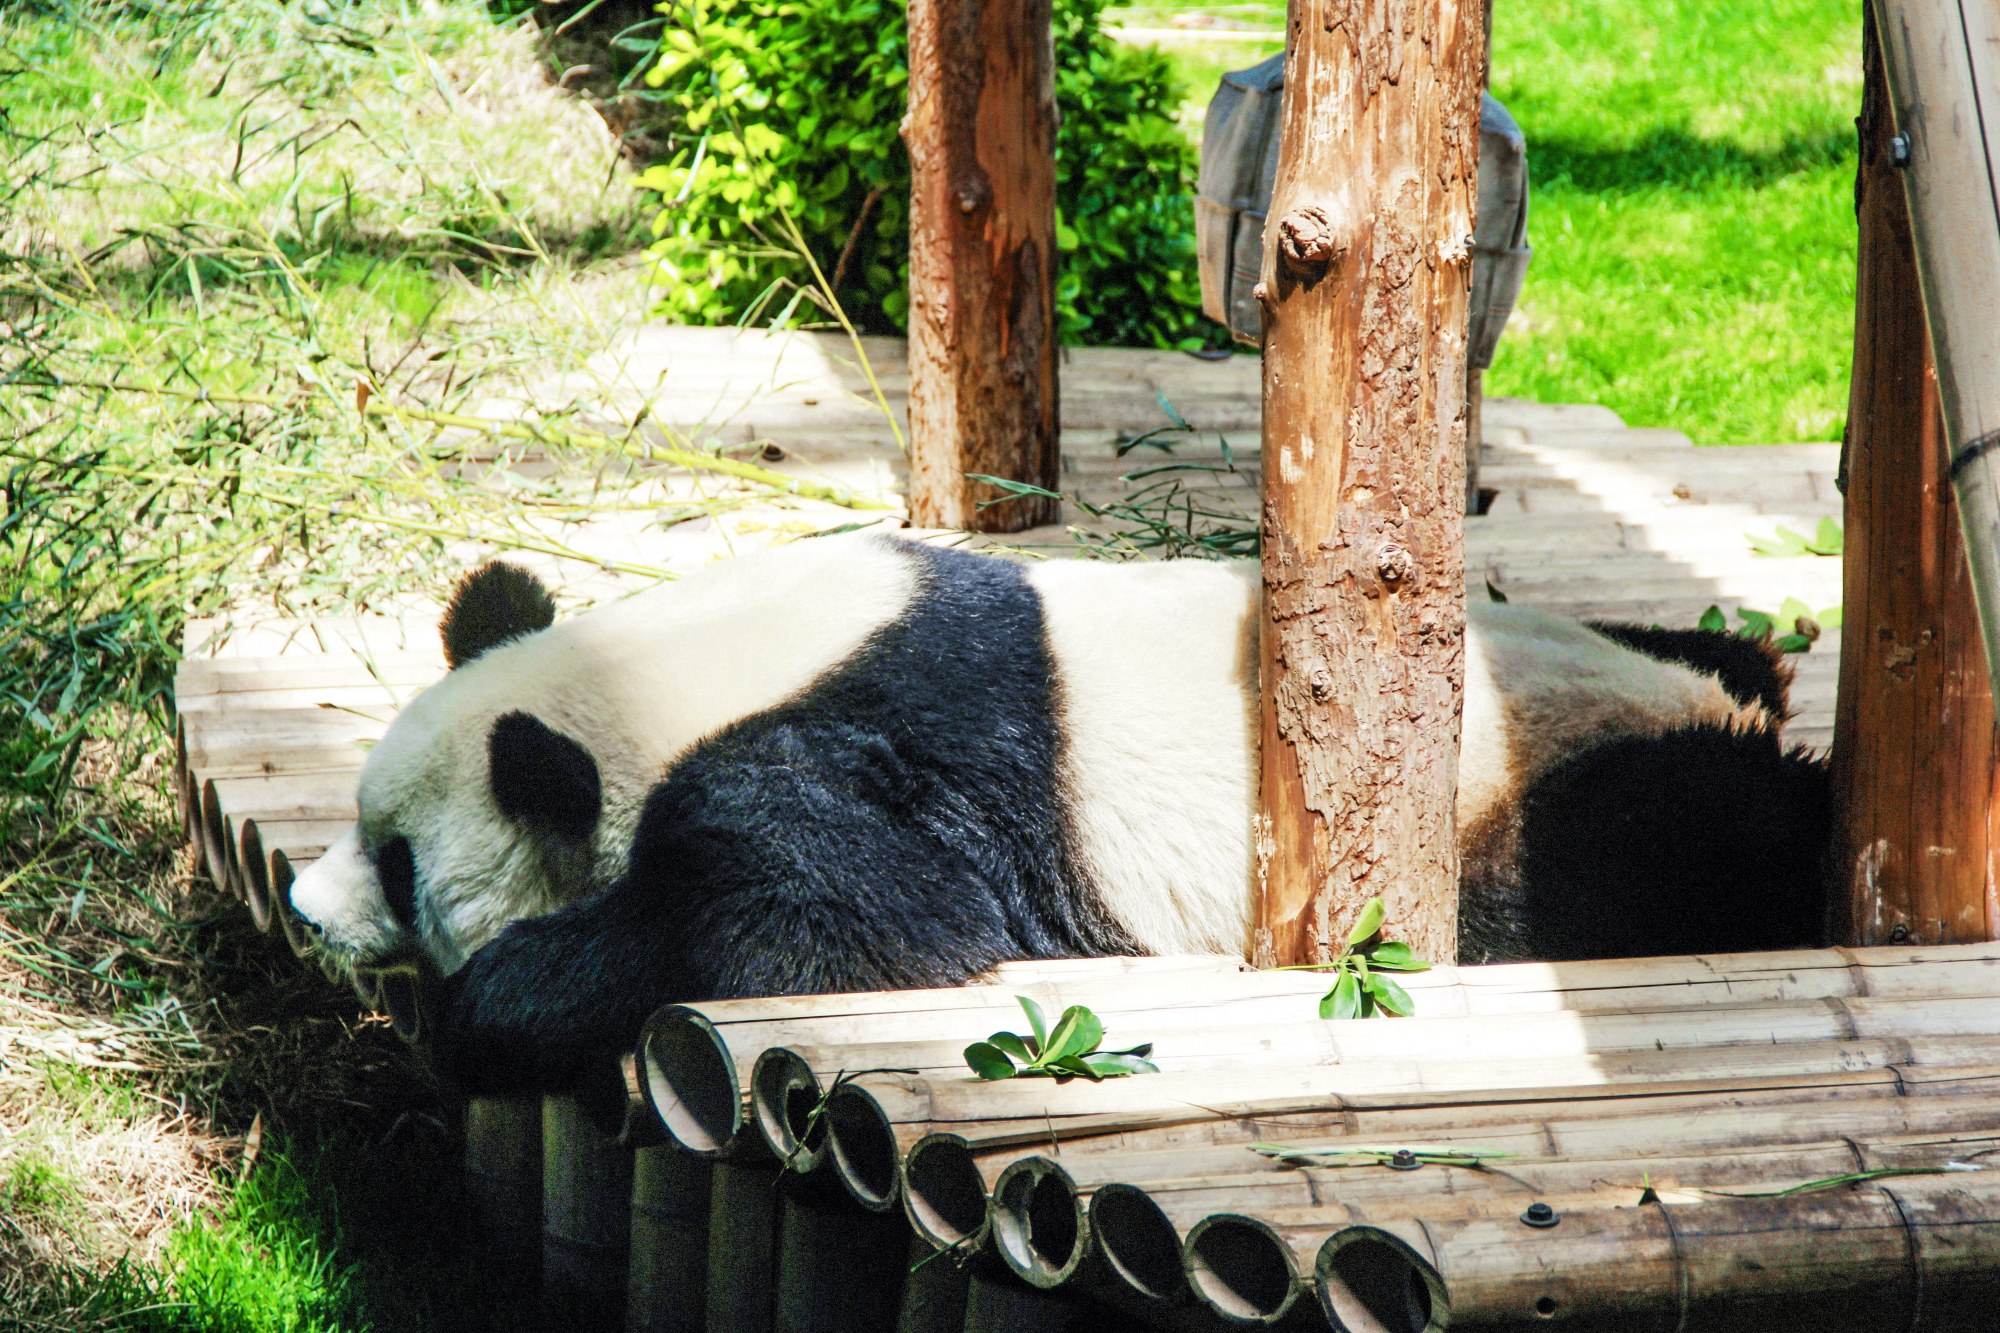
(982, 134)
(1367, 268)
(1914, 745)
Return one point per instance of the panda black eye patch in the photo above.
(396, 870)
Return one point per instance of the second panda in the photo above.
(869, 764)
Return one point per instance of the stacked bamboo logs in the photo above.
(1751, 1141)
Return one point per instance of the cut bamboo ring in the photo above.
(399, 997)
(784, 1094)
(215, 849)
(944, 1195)
(1138, 1243)
(1241, 1268)
(863, 1147)
(1372, 1282)
(691, 1081)
(281, 877)
(1038, 1222)
(255, 871)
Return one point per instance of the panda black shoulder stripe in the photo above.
(1750, 671)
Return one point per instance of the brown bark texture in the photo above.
(1914, 742)
(1367, 266)
(981, 134)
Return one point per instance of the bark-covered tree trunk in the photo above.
(982, 136)
(1367, 267)
(1914, 747)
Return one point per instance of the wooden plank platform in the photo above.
(1591, 518)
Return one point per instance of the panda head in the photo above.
(486, 799)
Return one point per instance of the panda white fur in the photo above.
(864, 763)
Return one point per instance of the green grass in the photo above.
(1692, 210)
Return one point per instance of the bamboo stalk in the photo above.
(1039, 1226)
(840, 1267)
(1001, 1305)
(1914, 1252)
(1660, 1139)
(936, 1287)
(742, 1246)
(784, 1106)
(1292, 1038)
(1368, 1278)
(586, 1218)
(693, 1084)
(1240, 1268)
(282, 875)
(256, 875)
(667, 1287)
(967, 1013)
(503, 1183)
(217, 855)
(897, 1110)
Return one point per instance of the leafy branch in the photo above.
(1070, 1051)
(1827, 539)
(1796, 626)
(1360, 988)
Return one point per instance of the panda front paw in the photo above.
(500, 1025)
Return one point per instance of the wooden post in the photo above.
(982, 134)
(1367, 268)
(1916, 768)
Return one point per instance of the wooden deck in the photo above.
(1592, 518)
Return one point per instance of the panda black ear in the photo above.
(494, 603)
(543, 779)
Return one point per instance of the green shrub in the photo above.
(792, 109)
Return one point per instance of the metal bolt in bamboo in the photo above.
(586, 1218)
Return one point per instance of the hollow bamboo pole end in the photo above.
(944, 1195)
(1369, 1280)
(1138, 1244)
(785, 1106)
(215, 852)
(1038, 1222)
(690, 1080)
(863, 1146)
(280, 876)
(256, 875)
(1241, 1269)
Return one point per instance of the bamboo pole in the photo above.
(586, 1218)
(947, 1181)
(503, 1183)
(935, 1290)
(785, 1099)
(667, 1286)
(1912, 1252)
(747, 1027)
(1368, 1278)
(1002, 1305)
(742, 1246)
(1288, 1041)
(898, 1110)
(1239, 1267)
(840, 1267)
(282, 875)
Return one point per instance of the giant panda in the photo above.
(866, 763)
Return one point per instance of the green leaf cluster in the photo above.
(787, 145)
(1069, 1051)
(1362, 987)
(1794, 627)
(1827, 539)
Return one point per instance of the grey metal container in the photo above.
(1239, 166)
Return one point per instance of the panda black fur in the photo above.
(1022, 761)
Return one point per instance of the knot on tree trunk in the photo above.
(1306, 242)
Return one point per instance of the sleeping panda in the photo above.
(864, 763)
